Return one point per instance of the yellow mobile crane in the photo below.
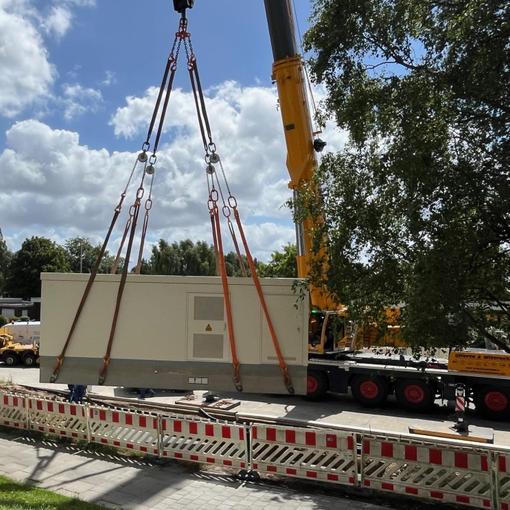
(416, 383)
(302, 145)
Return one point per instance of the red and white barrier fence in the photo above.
(13, 413)
(443, 471)
(58, 418)
(186, 438)
(503, 481)
(451, 475)
(325, 455)
(125, 429)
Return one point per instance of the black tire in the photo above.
(369, 391)
(493, 402)
(30, 359)
(414, 394)
(317, 385)
(10, 359)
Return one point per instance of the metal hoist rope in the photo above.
(148, 163)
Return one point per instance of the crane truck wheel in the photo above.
(316, 385)
(414, 394)
(29, 360)
(369, 391)
(493, 402)
(10, 359)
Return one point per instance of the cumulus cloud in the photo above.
(58, 21)
(64, 188)
(26, 73)
(78, 100)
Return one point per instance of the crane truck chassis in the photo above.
(416, 384)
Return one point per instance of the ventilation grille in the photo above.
(208, 308)
(207, 346)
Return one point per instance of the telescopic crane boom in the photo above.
(289, 75)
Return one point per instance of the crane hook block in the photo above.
(182, 5)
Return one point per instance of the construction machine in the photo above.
(12, 353)
(370, 376)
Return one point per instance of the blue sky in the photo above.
(76, 97)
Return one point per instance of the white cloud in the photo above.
(63, 188)
(26, 73)
(109, 79)
(78, 100)
(58, 21)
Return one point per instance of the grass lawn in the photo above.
(16, 496)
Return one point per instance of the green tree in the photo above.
(5, 259)
(184, 258)
(82, 255)
(416, 206)
(36, 255)
(282, 263)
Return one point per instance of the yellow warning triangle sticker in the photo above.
(208, 327)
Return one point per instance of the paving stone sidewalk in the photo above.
(133, 483)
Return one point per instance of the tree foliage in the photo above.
(82, 255)
(416, 206)
(182, 258)
(186, 258)
(36, 255)
(282, 263)
(5, 259)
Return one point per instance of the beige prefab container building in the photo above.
(172, 333)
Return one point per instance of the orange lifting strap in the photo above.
(183, 38)
(281, 360)
(213, 209)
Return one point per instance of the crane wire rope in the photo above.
(310, 96)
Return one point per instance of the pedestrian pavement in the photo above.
(134, 483)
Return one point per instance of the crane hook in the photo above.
(182, 5)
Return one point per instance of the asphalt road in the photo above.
(336, 409)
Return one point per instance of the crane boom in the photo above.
(289, 75)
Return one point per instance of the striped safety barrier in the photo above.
(325, 455)
(13, 411)
(503, 469)
(443, 473)
(222, 443)
(58, 418)
(125, 429)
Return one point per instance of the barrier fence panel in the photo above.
(503, 476)
(13, 412)
(222, 443)
(58, 418)
(446, 472)
(441, 472)
(125, 429)
(325, 455)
